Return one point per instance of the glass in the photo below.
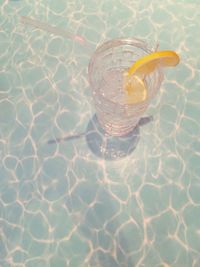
(106, 71)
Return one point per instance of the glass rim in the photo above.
(122, 41)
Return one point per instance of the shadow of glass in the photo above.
(106, 146)
(66, 138)
(112, 147)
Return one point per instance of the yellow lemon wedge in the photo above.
(136, 89)
(134, 78)
(150, 62)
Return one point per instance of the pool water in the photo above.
(70, 195)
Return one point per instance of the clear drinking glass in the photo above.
(106, 68)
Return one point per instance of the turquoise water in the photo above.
(70, 196)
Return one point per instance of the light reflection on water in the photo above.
(89, 199)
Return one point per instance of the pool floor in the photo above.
(70, 195)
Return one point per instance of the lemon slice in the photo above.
(137, 91)
(149, 63)
(134, 77)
